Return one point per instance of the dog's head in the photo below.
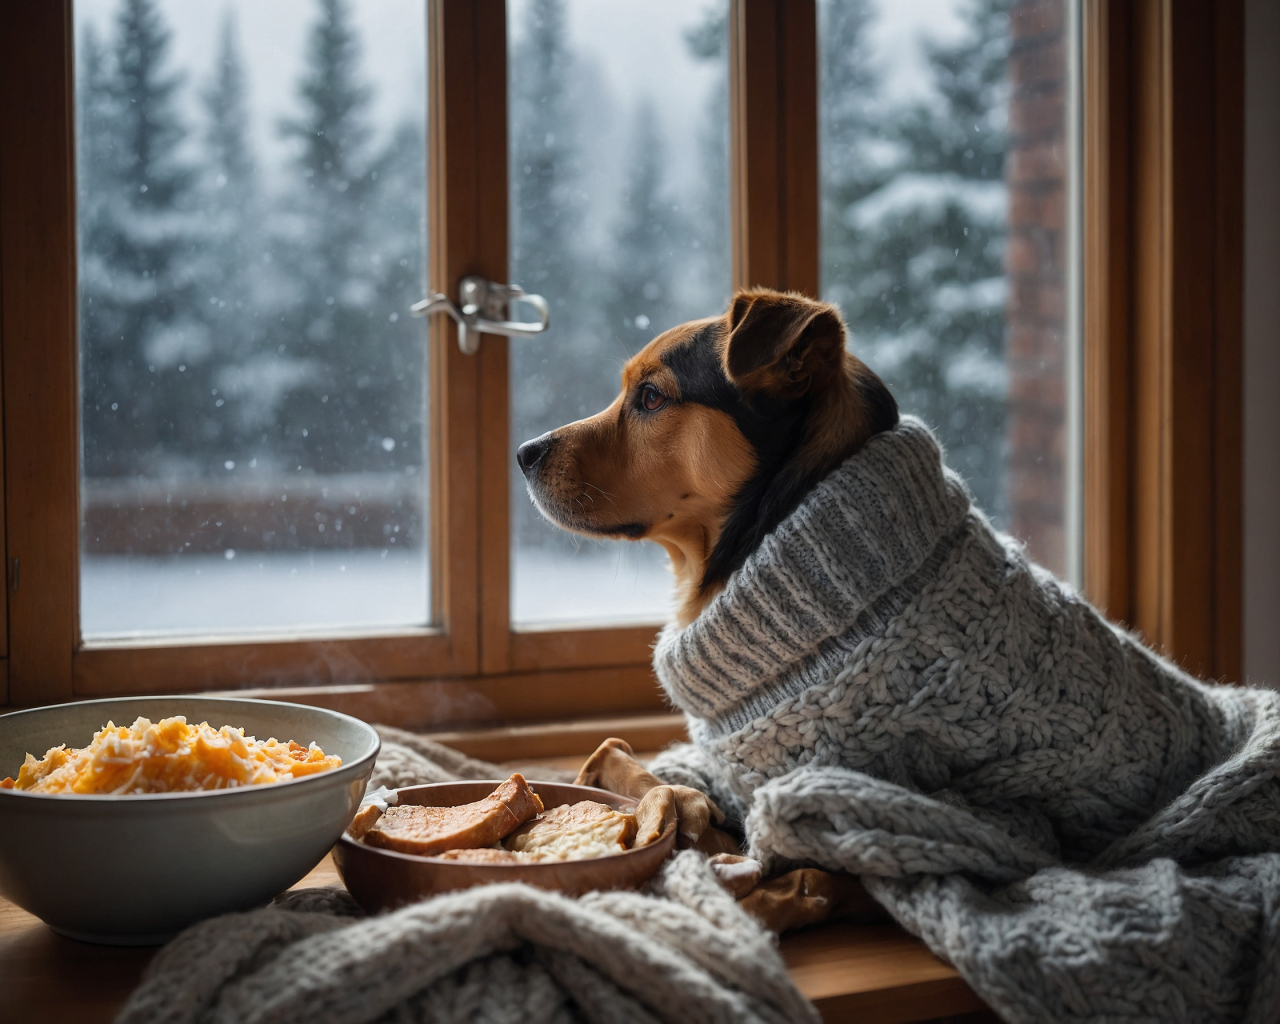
(722, 426)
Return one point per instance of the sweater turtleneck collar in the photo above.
(870, 525)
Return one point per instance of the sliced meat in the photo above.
(575, 832)
(427, 831)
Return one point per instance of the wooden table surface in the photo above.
(871, 974)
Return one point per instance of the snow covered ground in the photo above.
(350, 591)
(254, 593)
(597, 584)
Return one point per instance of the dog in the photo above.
(721, 427)
(878, 680)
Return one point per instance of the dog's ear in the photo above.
(780, 343)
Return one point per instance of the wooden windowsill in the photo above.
(574, 739)
(872, 974)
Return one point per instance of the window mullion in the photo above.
(468, 225)
(773, 89)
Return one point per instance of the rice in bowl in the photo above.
(169, 756)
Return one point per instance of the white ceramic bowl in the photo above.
(135, 870)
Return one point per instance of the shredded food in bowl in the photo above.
(168, 756)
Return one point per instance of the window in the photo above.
(948, 192)
(816, 146)
(251, 188)
(619, 133)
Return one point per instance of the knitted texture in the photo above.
(888, 687)
(683, 951)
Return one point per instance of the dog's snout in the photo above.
(531, 453)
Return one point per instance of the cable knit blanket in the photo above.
(500, 954)
(888, 687)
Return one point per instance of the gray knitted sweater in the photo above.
(889, 687)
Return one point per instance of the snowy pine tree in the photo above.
(335, 327)
(98, 202)
(230, 162)
(916, 263)
(547, 255)
(854, 160)
(649, 242)
(397, 224)
(708, 217)
(141, 343)
(230, 260)
(546, 165)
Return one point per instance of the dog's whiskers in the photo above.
(586, 483)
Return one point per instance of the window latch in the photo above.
(484, 307)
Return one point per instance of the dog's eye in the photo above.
(651, 398)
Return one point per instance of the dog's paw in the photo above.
(691, 811)
(613, 767)
(739, 875)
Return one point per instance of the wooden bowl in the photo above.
(384, 879)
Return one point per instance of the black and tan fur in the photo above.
(722, 426)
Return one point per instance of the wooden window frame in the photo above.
(1163, 323)
(1162, 426)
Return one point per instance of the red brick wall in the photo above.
(1035, 259)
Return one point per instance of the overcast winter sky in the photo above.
(637, 45)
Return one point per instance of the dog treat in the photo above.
(575, 832)
(363, 821)
(474, 833)
(168, 756)
(427, 831)
(489, 855)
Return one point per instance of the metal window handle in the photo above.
(483, 308)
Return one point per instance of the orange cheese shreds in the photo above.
(169, 756)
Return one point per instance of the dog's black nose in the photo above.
(529, 454)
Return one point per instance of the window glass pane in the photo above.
(251, 202)
(620, 218)
(946, 155)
